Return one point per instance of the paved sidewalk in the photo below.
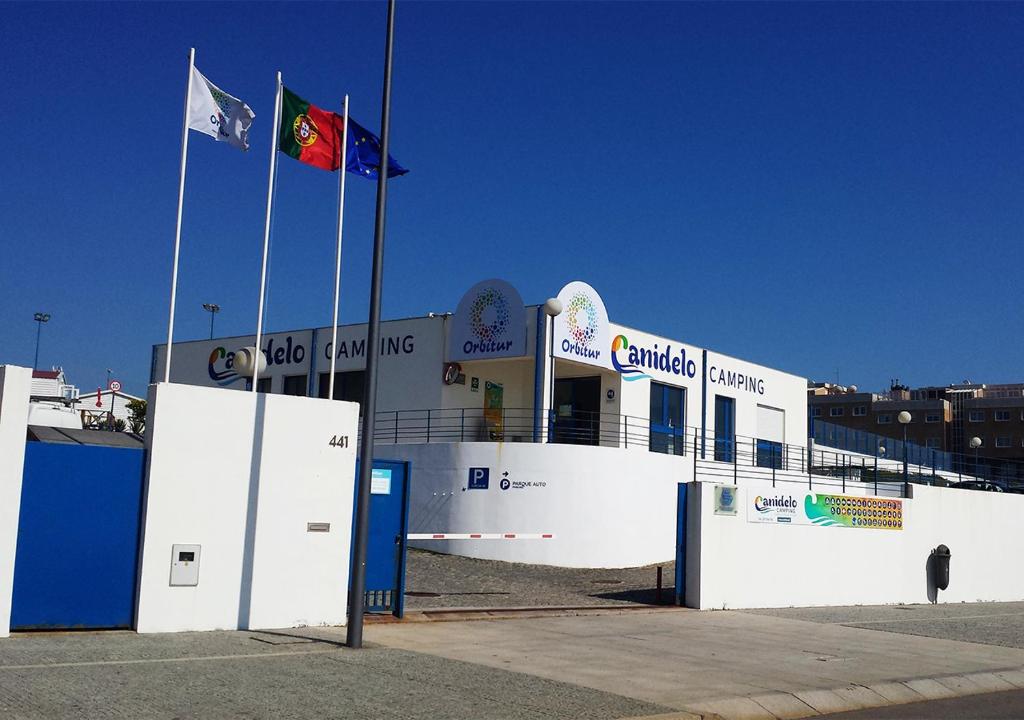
(604, 663)
(272, 676)
(989, 623)
(736, 664)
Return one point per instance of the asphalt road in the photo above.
(994, 706)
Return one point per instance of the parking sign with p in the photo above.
(479, 478)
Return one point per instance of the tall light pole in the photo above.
(40, 318)
(975, 444)
(357, 584)
(213, 309)
(905, 418)
(552, 308)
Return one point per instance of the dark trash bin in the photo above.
(940, 566)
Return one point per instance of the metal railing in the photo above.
(1005, 472)
(869, 443)
(725, 459)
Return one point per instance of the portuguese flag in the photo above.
(308, 133)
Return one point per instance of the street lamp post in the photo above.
(40, 318)
(552, 308)
(975, 443)
(904, 419)
(213, 309)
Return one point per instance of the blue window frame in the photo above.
(668, 419)
(725, 428)
(769, 454)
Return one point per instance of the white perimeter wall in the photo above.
(607, 507)
(740, 564)
(242, 474)
(15, 388)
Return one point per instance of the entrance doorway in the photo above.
(78, 537)
(577, 411)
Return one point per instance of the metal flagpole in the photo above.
(177, 227)
(357, 588)
(337, 253)
(266, 231)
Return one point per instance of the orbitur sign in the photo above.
(581, 331)
(490, 322)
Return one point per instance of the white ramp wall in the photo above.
(743, 564)
(15, 387)
(608, 507)
(242, 474)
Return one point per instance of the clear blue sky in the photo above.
(815, 187)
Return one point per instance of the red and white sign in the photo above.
(480, 536)
(115, 386)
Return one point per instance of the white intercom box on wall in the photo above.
(185, 565)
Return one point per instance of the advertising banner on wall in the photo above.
(581, 331)
(490, 322)
(823, 510)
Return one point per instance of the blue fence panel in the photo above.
(78, 537)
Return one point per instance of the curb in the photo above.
(514, 613)
(813, 702)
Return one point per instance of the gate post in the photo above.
(680, 589)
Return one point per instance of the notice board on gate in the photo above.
(825, 510)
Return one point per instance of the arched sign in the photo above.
(490, 322)
(581, 331)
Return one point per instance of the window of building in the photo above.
(884, 418)
(725, 428)
(816, 412)
(263, 385)
(836, 412)
(769, 454)
(860, 410)
(976, 416)
(296, 384)
(1003, 441)
(668, 426)
(934, 443)
(1002, 415)
(771, 434)
(348, 386)
(933, 417)
(933, 394)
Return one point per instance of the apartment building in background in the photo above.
(942, 418)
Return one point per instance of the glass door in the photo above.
(725, 428)
(668, 426)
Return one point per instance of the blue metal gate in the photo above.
(78, 537)
(386, 546)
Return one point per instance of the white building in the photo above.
(53, 400)
(456, 389)
(97, 405)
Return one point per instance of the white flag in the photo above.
(213, 112)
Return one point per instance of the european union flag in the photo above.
(362, 156)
